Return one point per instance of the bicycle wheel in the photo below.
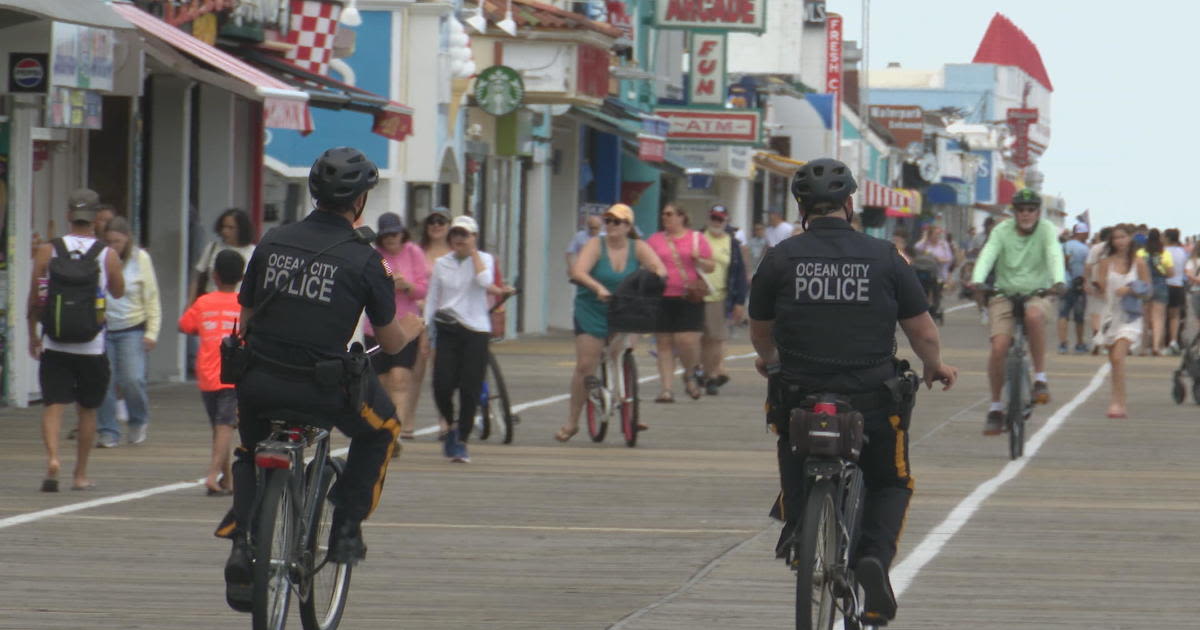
(630, 407)
(500, 414)
(597, 415)
(327, 584)
(273, 535)
(483, 415)
(1015, 414)
(815, 561)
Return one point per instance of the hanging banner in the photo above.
(716, 15)
(81, 57)
(833, 70)
(651, 148)
(73, 109)
(707, 78)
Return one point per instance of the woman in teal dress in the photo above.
(602, 264)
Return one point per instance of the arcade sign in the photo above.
(27, 72)
(713, 125)
(715, 15)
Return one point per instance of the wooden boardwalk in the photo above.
(1100, 529)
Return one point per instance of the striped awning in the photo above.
(880, 196)
(284, 107)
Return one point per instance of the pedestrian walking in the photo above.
(1073, 304)
(1161, 268)
(134, 322)
(74, 270)
(604, 261)
(214, 316)
(593, 226)
(1124, 281)
(1176, 292)
(777, 229)
(234, 231)
(457, 307)
(411, 278)
(435, 243)
(726, 303)
(756, 243)
(681, 319)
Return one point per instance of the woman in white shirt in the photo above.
(236, 232)
(456, 309)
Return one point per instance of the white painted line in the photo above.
(30, 517)
(959, 307)
(904, 573)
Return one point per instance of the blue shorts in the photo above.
(1073, 302)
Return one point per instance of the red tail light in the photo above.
(272, 460)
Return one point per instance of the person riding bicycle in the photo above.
(1027, 258)
(305, 288)
(823, 312)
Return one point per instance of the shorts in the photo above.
(679, 315)
(1159, 293)
(68, 378)
(716, 325)
(1000, 313)
(221, 406)
(383, 362)
(1073, 302)
(1176, 297)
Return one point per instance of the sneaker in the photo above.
(346, 544)
(1062, 348)
(450, 443)
(1173, 349)
(137, 433)
(239, 578)
(1081, 348)
(460, 455)
(1041, 393)
(879, 600)
(994, 425)
(108, 441)
(711, 388)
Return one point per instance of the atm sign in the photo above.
(27, 72)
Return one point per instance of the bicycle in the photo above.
(292, 517)
(606, 396)
(1018, 382)
(494, 413)
(820, 551)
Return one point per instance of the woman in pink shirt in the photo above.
(680, 321)
(410, 273)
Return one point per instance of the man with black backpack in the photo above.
(70, 276)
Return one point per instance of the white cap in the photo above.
(1082, 228)
(465, 222)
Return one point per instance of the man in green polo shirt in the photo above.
(1027, 257)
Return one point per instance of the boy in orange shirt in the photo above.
(213, 316)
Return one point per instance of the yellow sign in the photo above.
(204, 28)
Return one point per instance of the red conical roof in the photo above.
(1006, 45)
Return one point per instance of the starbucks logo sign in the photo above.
(499, 90)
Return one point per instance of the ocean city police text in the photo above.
(833, 282)
(315, 284)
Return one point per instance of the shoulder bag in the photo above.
(693, 290)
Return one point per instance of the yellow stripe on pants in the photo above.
(392, 427)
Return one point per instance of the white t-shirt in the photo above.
(778, 233)
(1179, 258)
(455, 286)
(96, 346)
(1093, 259)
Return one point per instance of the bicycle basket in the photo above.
(636, 302)
(824, 435)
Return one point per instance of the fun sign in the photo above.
(707, 85)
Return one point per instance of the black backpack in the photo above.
(74, 311)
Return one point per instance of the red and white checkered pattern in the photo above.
(880, 196)
(314, 24)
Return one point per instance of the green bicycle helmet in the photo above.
(1027, 197)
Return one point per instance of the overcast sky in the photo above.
(1124, 90)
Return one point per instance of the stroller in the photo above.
(1189, 367)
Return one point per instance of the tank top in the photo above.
(591, 315)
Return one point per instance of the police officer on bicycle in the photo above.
(305, 288)
(823, 312)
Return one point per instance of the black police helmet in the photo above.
(1027, 197)
(340, 175)
(823, 181)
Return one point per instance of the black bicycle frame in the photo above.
(290, 440)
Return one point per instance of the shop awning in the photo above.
(879, 196)
(392, 120)
(608, 123)
(284, 107)
(90, 13)
(777, 164)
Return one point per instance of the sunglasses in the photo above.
(612, 221)
(718, 219)
(437, 221)
(1021, 209)
(671, 214)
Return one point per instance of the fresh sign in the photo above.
(833, 67)
(720, 15)
(707, 86)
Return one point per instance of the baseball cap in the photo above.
(719, 211)
(82, 203)
(1082, 228)
(464, 222)
(390, 223)
(620, 211)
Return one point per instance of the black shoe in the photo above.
(711, 388)
(994, 425)
(783, 546)
(239, 577)
(722, 380)
(879, 601)
(346, 544)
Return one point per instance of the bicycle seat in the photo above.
(295, 418)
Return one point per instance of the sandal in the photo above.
(565, 434)
(49, 485)
(665, 397)
(694, 391)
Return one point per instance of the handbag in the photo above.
(693, 290)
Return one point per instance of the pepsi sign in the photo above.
(27, 72)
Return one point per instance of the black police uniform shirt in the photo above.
(318, 307)
(835, 296)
